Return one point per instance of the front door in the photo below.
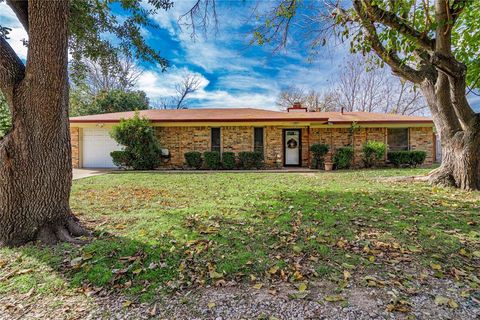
(292, 145)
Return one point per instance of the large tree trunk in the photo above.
(460, 145)
(35, 159)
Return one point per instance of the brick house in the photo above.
(284, 137)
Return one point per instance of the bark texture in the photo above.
(442, 80)
(35, 157)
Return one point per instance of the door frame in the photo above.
(299, 148)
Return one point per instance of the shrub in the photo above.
(228, 160)
(139, 142)
(406, 158)
(343, 158)
(212, 159)
(250, 160)
(417, 158)
(121, 159)
(319, 151)
(193, 159)
(373, 151)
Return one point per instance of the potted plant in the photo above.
(318, 151)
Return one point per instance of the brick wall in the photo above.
(179, 140)
(75, 140)
(422, 139)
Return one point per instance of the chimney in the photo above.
(297, 107)
(342, 109)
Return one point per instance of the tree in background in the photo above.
(312, 100)
(5, 117)
(188, 84)
(99, 76)
(37, 150)
(108, 102)
(360, 86)
(433, 44)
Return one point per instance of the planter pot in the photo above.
(328, 166)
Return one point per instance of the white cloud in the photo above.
(160, 85)
(17, 34)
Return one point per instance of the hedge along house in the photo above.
(284, 137)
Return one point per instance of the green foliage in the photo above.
(121, 159)
(193, 159)
(373, 151)
(91, 20)
(108, 102)
(5, 117)
(212, 160)
(139, 141)
(406, 158)
(228, 160)
(343, 158)
(319, 151)
(250, 160)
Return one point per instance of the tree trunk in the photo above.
(35, 158)
(460, 146)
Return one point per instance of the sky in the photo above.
(232, 73)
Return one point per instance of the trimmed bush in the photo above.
(121, 159)
(250, 160)
(228, 160)
(407, 158)
(319, 151)
(140, 143)
(373, 152)
(212, 160)
(417, 158)
(193, 159)
(343, 158)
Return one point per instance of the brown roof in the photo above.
(250, 115)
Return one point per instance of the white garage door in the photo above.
(97, 145)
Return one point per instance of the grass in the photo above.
(160, 232)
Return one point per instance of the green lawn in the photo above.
(155, 233)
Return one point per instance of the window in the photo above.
(258, 140)
(215, 135)
(398, 139)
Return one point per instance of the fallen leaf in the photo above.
(273, 270)
(258, 286)
(127, 303)
(346, 275)
(215, 275)
(435, 266)
(334, 298)
(444, 301)
(211, 305)
(302, 287)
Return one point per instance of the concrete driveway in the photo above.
(85, 173)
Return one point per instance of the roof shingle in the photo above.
(251, 115)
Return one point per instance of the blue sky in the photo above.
(233, 74)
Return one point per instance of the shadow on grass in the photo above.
(284, 235)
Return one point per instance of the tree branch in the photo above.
(12, 69)
(20, 8)
(389, 57)
(392, 20)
